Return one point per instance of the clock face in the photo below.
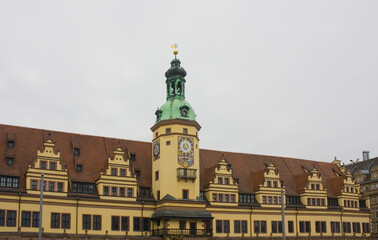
(156, 149)
(185, 151)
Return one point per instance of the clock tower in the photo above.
(175, 150)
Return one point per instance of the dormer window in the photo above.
(79, 168)
(43, 164)
(184, 110)
(158, 114)
(10, 144)
(10, 161)
(76, 151)
(52, 165)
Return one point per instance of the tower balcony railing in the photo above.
(185, 173)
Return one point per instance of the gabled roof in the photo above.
(95, 150)
(246, 166)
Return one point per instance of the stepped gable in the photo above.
(95, 150)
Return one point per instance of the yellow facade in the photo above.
(169, 187)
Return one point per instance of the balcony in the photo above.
(184, 173)
(182, 232)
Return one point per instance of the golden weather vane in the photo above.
(175, 46)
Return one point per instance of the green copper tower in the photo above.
(175, 107)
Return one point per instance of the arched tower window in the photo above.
(179, 88)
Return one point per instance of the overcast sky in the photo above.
(284, 78)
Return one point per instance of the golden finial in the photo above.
(175, 46)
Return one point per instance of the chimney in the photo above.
(365, 155)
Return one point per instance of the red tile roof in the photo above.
(94, 152)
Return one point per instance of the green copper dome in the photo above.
(175, 107)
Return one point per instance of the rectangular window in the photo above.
(168, 143)
(125, 223)
(156, 175)
(320, 227)
(214, 197)
(185, 194)
(244, 226)
(220, 180)
(51, 186)
(232, 198)
(129, 192)
(146, 224)
(86, 222)
(66, 220)
(290, 226)
(182, 224)
(259, 226)
(366, 227)
(226, 198)
(144, 192)
(139, 223)
(185, 130)
(269, 200)
(218, 226)
(335, 227)
(226, 181)
(240, 226)
(96, 222)
(276, 227)
(220, 197)
(237, 226)
(167, 130)
(269, 184)
(11, 218)
(35, 219)
(115, 223)
(106, 191)
(275, 184)
(121, 192)
(79, 168)
(356, 227)
(2, 217)
(132, 157)
(122, 172)
(76, 151)
(114, 171)
(52, 165)
(114, 191)
(158, 195)
(226, 226)
(304, 227)
(55, 220)
(33, 184)
(43, 164)
(346, 227)
(10, 144)
(60, 187)
(10, 161)
(26, 219)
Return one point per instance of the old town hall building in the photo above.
(169, 187)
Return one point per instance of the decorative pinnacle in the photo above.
(175, 46)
